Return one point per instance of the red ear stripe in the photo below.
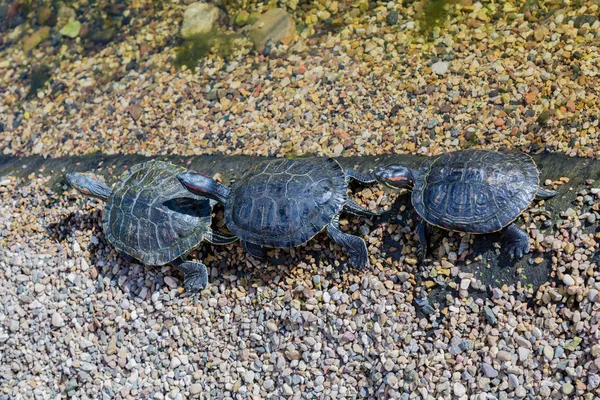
(195, 188)
(398, 179)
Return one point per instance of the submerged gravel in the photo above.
(492, 76)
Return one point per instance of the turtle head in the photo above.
(204, 186)
(395, 176)
(89, 185)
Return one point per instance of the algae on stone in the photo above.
(275, 25)
(198, 18)
(39, 76)
(36, 38)
(71, 29)
(433, 14)
(198, 46)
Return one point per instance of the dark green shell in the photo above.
(152, 217)
(284, 203)
(475, 191)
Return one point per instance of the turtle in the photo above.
(150, 217)
(284, 203)
(472, 191)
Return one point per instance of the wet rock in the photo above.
(103, 36)
(36, 38)
(275, 25)
(584, 19)
(44, 16)
(241, 18)
(198, 18)
(71, 29)
(392, 18)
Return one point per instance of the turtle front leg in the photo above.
(353, 208)
(195, 275)
(358, 176)
(254, 250)
(355, 246)
(517, 241)
(422, 233)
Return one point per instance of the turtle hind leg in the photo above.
(128, 258)
(355, 246)
(358, 176)
(195, 275)
(517, 241)
(543, 194)
(254, 250)
(423, 231)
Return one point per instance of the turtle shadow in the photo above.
(122, 271)
(286, 260)
(395, 216)
(64, 232)
(493, 269)
(65, 228)
(488, 264)
(282, 262)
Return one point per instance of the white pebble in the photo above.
(57, 320)
(459, 389)
(439, 68)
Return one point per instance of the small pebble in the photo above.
(459, 389)
(57, 320)
(488, 370)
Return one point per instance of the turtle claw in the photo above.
(358, 262)
(518, 242)
(517, 250)
(195, 276)
(358, 256)
(193, 284)
(421, 255)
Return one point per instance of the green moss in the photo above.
(291, 154)
(544, 117)
(197, 47)
(39, 76)
(434, 14)
(241, 18)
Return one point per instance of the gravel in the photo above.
(84, 321)
(77, 320)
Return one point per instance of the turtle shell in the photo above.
(475, 191)
(284, 203)
(152, 217)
